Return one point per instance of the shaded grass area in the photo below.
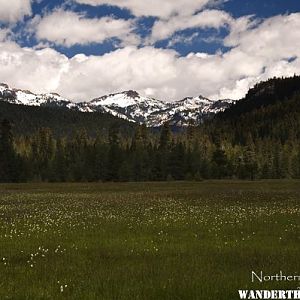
(177, 240)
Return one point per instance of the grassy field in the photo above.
(146, 240)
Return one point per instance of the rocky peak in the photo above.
(131, 94)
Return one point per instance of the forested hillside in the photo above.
(259, 137)
(26, 120)
(270, 110)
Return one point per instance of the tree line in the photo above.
(258, 138)
(189, 155)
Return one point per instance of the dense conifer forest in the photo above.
(257, 138)
(27, 120)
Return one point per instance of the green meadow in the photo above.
(173, 240)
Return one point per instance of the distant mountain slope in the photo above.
(128, 105)
(270, 110)
(264, 94)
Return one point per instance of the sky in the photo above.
(166, 49)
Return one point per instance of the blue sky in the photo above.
(162, 48)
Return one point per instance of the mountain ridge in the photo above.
(128, 105)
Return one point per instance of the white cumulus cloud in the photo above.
(163, 29)
(157, 8)
(26, 68)
(69, 28)
(12, 11)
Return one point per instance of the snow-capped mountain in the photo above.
(128, 105)
(24, 97)
(189, 110)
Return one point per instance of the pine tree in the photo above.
(9, 161)
(219, 163)
(176, 162)
(100, 159)
(60, 164)
(114, 161)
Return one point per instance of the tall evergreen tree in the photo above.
(9, 161)
(114, 160)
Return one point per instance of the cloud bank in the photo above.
(257, 50)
